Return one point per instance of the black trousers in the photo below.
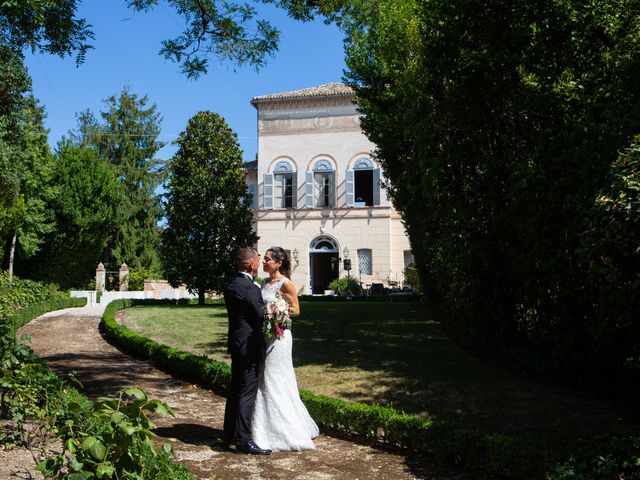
(242, 397)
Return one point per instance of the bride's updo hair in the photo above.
(281, 255)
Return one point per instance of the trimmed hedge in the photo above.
(390, 297)
(209, 373)
(26, 314)
(445, 440)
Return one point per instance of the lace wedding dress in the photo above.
(280, 422)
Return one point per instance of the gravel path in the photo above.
(69, 341)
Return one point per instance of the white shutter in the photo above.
(308, 189)
(267, 191)
(349, 187)
(376, 186)
(294, 190)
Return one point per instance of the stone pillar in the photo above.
(101, 277)
(124, 277)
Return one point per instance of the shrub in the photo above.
(412, 277)
(112, 439)
(109, 436)
(346, 286)
(21, 293)
(612, 458)
(137, 277)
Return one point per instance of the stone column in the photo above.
(124, 280)
(101, 277)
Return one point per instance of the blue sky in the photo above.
(126, 54)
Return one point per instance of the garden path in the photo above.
(70, 342)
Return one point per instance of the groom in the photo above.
(245, 344)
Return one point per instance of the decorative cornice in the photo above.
(305, 103)
(326, 90)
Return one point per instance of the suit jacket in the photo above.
(245, 310)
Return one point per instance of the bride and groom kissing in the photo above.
(263, 412)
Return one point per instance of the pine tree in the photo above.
(127, 138)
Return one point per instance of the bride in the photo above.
(280, 419)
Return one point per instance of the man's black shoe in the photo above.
(252, 449)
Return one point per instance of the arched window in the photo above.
(321, 185)
(280, 186)
(323, 244)
(363, 184)
(283, 167)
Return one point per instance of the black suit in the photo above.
(245, 309)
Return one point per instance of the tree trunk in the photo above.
(12, 252)
(201, 296)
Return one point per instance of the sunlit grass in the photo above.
(395, 354)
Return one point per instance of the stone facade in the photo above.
(318, 191)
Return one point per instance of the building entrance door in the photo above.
(324, 262)
(324, 270)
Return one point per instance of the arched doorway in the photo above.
(324, 263)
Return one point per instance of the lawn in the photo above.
(395, 354)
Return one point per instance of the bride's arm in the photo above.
(289, 292)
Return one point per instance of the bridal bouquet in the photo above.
(276, 317)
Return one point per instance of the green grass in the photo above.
(394, 354)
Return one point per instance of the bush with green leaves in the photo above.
(346, 286)
(29, 393)
(137, 276)
(615, 458)
(111, 440)
(412, 277)
(19, 293)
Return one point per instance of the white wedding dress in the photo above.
(280, 422)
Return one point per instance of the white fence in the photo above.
(106, 297)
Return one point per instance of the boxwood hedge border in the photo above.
(26, 314)
(445, 440)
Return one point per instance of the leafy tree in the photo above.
(85, 204)
(48, 26)
(207, 219)
(13, 100)
(24, 163)
(227, 30)
(610, 251)
(127, 138)
(504, 120)
(497, 124)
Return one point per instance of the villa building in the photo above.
(317, 191)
